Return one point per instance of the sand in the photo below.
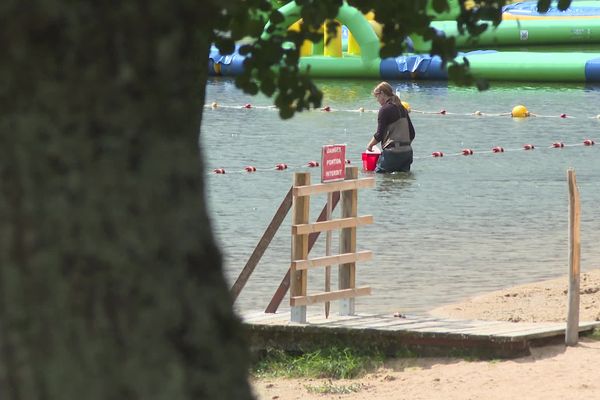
(550, 372)
(536, 302)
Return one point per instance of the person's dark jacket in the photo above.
(388, 113)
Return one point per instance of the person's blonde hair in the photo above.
(387, 90)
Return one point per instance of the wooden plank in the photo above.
(546, 330)
(461, 327)
(413, 325)
(503, 329)
(340, 323)
(262, 245)
(364, 255)
(328, 253)
(498, 326)
(263, 317)
(347, 271)
(285, 282)
(572, 332)
(359, 322)
(298, 279)
(303, 229)
(348, 184)
(329, 296)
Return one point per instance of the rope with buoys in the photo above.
(277, 167)
(434, 154)
(500, 149)
(518, 111)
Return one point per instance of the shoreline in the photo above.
(544, 301)
(550, 372)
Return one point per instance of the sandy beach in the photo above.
(550, 372)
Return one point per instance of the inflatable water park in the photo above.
(503, 53)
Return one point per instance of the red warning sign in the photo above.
(333, 163)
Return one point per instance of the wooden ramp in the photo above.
(410, 334)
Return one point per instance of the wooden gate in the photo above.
(348, 255)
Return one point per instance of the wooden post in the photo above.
(347, 272)
(299, 247)
(572, 332)
(327, 253)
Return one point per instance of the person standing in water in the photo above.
(395, 132)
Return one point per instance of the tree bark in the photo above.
(111, 284)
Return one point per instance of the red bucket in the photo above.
(370, 160)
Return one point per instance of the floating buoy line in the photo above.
(518, 111)
(435, 154)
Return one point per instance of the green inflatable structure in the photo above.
(522, 27)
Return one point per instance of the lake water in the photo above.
(454, 227)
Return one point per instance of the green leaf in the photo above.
(245, 50)
(276, 17)
(440, 6)
(286, 112)
(563, 4)
(482, 84)
(225, 45)
(543, 5)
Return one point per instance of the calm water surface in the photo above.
(453, 227)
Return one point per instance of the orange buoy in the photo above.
(589, 142)
(443, 112)
(558, 144)
(437, 154)
(247, 105)
(563, 115)
(467, 152)
(313, 164)
(326, 108)
(498, 149)
(219, 171)
(281, 166)
(250, 168)
(528, 147)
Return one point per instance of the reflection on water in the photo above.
(453, 227)
(395, 182)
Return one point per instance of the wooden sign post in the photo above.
(333, 169)
(298, 277)
(572, 332)
(347, 271)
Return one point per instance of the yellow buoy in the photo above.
(406, 105)
(214, 105)
(519, 112)
(361, 109)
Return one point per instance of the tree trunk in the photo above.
(111, 284)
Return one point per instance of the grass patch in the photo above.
(595, 335)
(405, 352)
(333, 363)
(330, 388)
